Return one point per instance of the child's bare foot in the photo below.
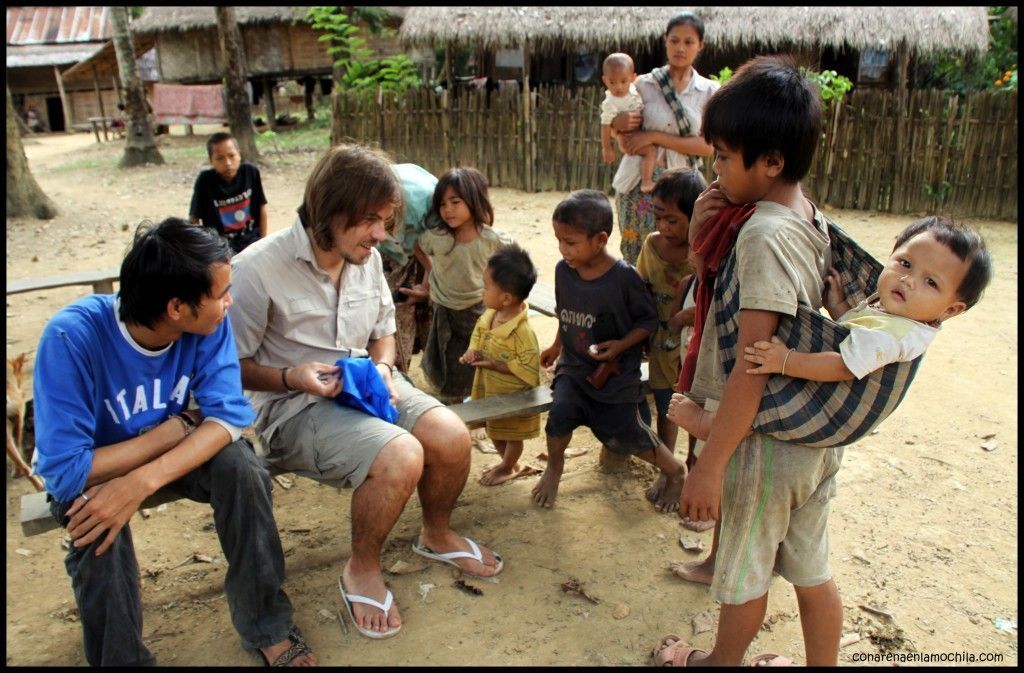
(498, 474)
(668, 499)
(653, 491)
(688, 415)
(697, 526)
(545, 492)
(701, 572)
(647, 186)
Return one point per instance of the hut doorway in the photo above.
(55, 113)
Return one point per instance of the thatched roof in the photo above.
(163, 19)
(923, 29)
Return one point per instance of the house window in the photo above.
(509, 58)
(873, 65)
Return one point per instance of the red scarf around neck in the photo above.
(713, 243)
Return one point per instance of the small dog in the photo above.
(16, 420)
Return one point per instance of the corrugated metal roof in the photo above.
(57, 25)
(28, 55)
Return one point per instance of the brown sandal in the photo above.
(298, 648)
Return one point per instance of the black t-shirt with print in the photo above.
(231, 208)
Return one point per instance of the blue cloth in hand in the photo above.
(362, 387)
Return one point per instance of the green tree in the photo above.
(993, 70)
(354, 68)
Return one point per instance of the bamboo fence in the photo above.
(898, 152)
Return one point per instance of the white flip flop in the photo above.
(449, 557)
(348, 599)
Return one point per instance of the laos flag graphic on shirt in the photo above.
(235, 216)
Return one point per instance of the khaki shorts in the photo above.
(336, 444)
(776, 498)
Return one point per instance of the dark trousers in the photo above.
(107, 587)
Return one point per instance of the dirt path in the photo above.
(924, 527)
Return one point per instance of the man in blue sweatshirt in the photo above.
(113, 379)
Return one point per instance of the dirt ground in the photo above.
(923, 530)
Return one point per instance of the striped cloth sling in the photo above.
(661, 78)
(817, 413)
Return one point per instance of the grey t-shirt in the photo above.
(592, 311)
(780, 261)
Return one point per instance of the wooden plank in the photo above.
(542, 299)
(101, 281)
(36, 517)
(534, 400)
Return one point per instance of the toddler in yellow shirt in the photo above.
(504, 351)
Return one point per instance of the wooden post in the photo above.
(528, 149)
(117, 90)
(268, 103)
(899, 152)
(65, 108)
(99, 99)
(446, 97)
(307, 97)
(448, 68)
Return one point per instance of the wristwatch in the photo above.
(190, 424)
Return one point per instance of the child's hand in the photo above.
(835, 297)
(701, 497)
(769, 355)
(710, 202)
(608, 154)
(470, 357)
(416, 293)
(681, 319)
(549, 356)
(606, 350)
(624, 122)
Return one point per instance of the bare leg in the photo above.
(510, 451)
(674, 472)
(647, 162)
(445, 470)
(821, 617)
(702, 572)
(737, 627)
(376, 506)
(546, 490)
(667, 432)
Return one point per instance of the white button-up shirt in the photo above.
(286, 311)
(658, 116)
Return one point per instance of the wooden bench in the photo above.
(100, 123)
(102, 282)
(35, 511)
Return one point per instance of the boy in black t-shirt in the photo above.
(605, 314)
(229, 197)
